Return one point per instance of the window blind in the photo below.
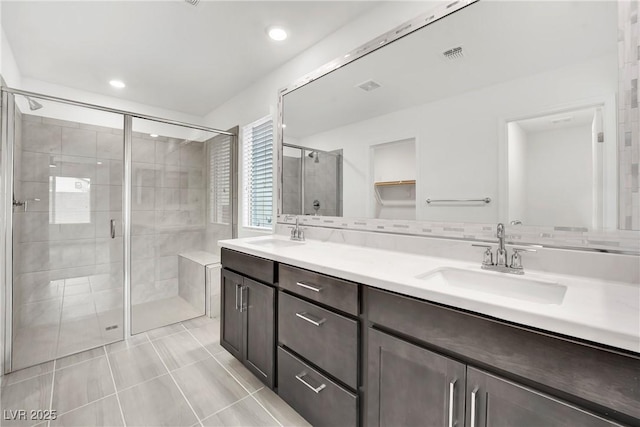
(220, 180)
(257, 162)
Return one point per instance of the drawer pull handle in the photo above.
(452, 388)
(310, 287)
(300, 377)
(473, 406)
(306, 316)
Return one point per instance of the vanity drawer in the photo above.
(327, 290)
(326, 339)
(319, 400)
(251, 266)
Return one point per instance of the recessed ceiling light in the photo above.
(99, 163)
(117, 84)
(277, 33)
(52, 166)
(284, 126)
(153, 135)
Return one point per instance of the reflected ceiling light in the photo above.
(153, 135)
(284, 126)
(99, 163)
(117, 84)
(52, 165)
(277, 33)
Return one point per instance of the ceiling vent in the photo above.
(453, 53)
(193, 2)
(369, 85)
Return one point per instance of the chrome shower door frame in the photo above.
(6, 227)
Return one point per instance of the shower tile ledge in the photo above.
(593, 309)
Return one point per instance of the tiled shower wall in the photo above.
(291, 185)
(168, 212)
(46, 253)
(322, 183)
(628, 114)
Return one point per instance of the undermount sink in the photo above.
(502, 284)
(275, 243)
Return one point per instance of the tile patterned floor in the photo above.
(178, 375)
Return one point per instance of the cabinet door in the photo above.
(258, 303)
(411, 386)
(496, 402)
(231, 336)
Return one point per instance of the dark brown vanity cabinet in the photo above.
(425, 366)
(248, 321)
(318, 336)
(494, 401)
(411, 386)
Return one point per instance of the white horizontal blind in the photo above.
(257, 162)
(220, 180)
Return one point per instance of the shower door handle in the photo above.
(113, 228)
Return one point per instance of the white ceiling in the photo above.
(501, 41)
(169, 53)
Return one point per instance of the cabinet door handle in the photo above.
(300, 377)
(306, 316)
(308, 286)
(113, 228)
(242, 288)
(452, 389)
(474, 394)
(238, 286)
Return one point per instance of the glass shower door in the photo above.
(67, 291)
(176, 219)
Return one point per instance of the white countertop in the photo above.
(604, 312)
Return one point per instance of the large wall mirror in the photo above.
(498, 112)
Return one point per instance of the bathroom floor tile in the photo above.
(28, 395)
(209, 336)
(180, 349)
(134, 341)
(239, 371)
(82, 383)
(208, 387)
(135, 365)
(245, 413)
(103, 412)
(79, 357)
(156, 403)
(277, 407)
(27, 373)
(158, 333)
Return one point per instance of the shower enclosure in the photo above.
(100, 208)
(313, 181)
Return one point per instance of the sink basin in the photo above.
(275, 243)
(502, 284)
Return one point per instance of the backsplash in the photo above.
(591, 265)
(579, 238)
(628, 132)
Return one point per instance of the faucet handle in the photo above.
(516, 258)
(487, 257)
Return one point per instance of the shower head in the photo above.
(33, 105)
(314, 156)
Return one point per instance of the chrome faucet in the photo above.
(515, 267)
(296, 232)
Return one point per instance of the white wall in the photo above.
(8, 66)
(458, 138)
(559, 177)
(261, 98)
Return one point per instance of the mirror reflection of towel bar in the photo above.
(485, 200)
